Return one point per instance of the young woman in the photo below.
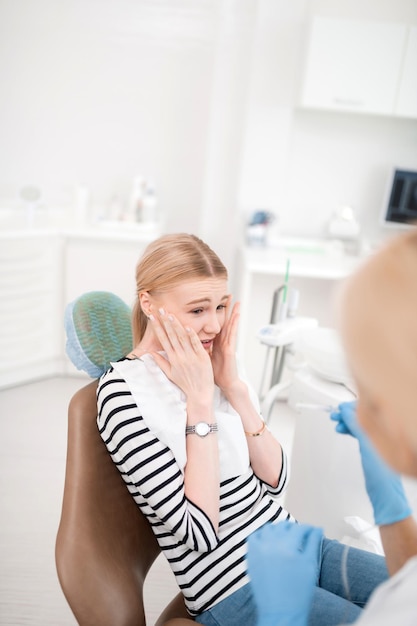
(185, 431)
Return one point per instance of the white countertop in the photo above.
(102, 231)
(120, 231)
(311, 258)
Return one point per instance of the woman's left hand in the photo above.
(223, 356)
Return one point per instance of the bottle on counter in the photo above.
(149, 205)
(135, 205)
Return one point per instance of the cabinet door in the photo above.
(353, 66)
(101, 265)
(31, 308)
(407, 95)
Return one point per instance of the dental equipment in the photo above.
(283, 308)
(282, 331)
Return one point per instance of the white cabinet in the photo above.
(406, 105)
(30, 306)
(94, 263)
(354, 65)
(40, 272)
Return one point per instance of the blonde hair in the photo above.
(379, 300)
(382, 293)
(378, 321)
(168, 261)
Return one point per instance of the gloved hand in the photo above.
(384, 486)
(282, 565)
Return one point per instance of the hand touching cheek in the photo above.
(223, 355)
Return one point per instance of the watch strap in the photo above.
(193, 430)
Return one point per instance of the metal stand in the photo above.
(278, 337)
(274, 387)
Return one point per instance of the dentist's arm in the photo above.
(392, 511)
(400, 543)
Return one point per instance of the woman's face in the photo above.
(199, 304)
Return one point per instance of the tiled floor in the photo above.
(32, 465)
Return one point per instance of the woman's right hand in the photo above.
(187, 365)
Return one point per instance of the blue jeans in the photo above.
(346, 577)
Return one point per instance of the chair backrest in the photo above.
(104, 545)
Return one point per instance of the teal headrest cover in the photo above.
(98, 329)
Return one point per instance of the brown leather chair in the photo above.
(104, 546)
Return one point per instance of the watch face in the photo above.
(202, 429)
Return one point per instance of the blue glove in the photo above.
(384, 486)
(282, 565)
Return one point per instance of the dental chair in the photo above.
(104, 546)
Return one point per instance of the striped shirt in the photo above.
(208, 565)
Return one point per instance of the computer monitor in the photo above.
(400, 207)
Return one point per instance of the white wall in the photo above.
(98, 91)
(198, 95)
(303, 164)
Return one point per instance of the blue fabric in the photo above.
(346, 577)
(98, 329)
(237, 610)
(74, 349)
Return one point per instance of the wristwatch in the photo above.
(202, 429)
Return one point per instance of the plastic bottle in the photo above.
(135, 206)
(149, 206)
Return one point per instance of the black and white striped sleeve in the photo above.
(149, 468)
